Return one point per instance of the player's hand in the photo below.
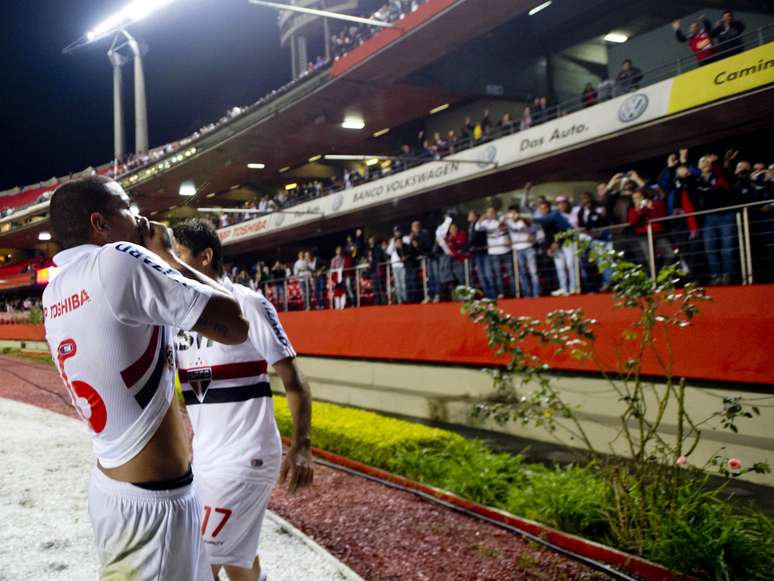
(297, 469)
(156, 237)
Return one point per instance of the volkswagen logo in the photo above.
(337, 202)
(279, 218)
(633, 108)
(487, 156)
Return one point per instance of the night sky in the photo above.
(204, 57)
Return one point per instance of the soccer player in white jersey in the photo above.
(110, 316)
(237, 450)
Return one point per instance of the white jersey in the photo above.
(227, 392)
(109, 316)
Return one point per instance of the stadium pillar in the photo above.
(118, 110)
(327, 38)
(140, 106)
(301, 54)
(294, 69)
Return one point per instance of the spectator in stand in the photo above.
(593, 222)
(486, 124)
(303, 273)
(444, 257)
(506, 123)
(628, 79)
(376, 259)
(338, 276)
(319, 279)
(715, 192)
(526, 119)
(441, 145)
(423, 249)
(678, 180)
(466, 133)
(605, 90)
(499, 255)
(477, 249)
(617, 200)
(279, 273)
(396, 254)
(457, 242)
(538, 111)
(553, 224)
(451, 139)
(727, 35)
(524, 239)
(699, 39)
(589, 96)
(646, 207)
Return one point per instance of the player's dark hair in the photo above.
(198, 235)
(72, 206)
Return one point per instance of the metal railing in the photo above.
(733, 245)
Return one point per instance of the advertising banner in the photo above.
(736, 74)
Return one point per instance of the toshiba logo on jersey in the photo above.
(67, 305)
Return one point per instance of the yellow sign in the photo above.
(737, 74)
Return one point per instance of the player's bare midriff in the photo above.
(165, 457)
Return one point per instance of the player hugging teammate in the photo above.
(114, 352)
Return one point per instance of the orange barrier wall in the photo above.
(388, 35)
(730, 341)
(22, 333)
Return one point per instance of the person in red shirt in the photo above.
(457, 241)
(646, 207)
(699, 39)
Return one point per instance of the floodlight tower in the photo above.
(116, 27)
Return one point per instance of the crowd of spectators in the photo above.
(355, 34)
(518, 252)
(710, 42)
(17, 309)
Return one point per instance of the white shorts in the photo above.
(146, 535)
(233, 511)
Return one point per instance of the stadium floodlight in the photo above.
(616, 37)
(539, 8)
(283, 169)
(44, 236)
(353, 123)
(292, 186)
(381, 132)
(187, 189)
(256, 165)
(372, 161)
(323, 13)
(438, 109)
(129, 14)
(315, 158)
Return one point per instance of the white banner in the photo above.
(604, 119)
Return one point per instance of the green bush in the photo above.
(570, 498)
(364, 436)
(702, 535)
(466, 467)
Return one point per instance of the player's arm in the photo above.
(270, 339)
(298, 463)
(221, 320)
